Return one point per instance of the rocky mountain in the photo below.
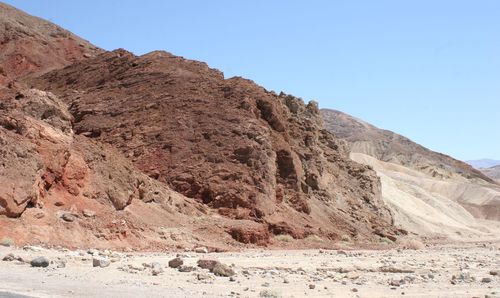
(483, 163)
(31, 46)
(158, 151)
(429, 193)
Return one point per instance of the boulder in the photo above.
(100, 262)
(40, 262)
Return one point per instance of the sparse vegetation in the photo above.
(411, 244)
(345, 238)
(283, 238)
(314, 238)
(386, 240)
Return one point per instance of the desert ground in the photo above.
(468, 270)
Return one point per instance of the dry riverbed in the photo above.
(470, 270)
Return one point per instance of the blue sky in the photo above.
(429, 70)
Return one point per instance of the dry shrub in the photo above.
(411, 244)
(284, 238)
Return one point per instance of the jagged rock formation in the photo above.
(428, 192)
(165, 152)
(29, 45)
(229, 144)
(48, 172)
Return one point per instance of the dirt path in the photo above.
(311, 273)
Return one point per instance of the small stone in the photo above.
(175, 263)
(39, 214)
(354, 290)
(222, 270)
(207, 263)
(68, 217)
(269, 294)
(100, 262)
(93, 252)
(88, 213)
(156, 266)
(286, 281)
(156, 269)
(184, 268)
(312, 287)
(486, 280)
(201, 250)
(494, 272)
(232, 279)
(9, 258)
(396, 283)
(40, 262)
(203, 276)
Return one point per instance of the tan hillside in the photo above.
(429, 193)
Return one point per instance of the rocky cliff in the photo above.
(227, 143)
(115, 148)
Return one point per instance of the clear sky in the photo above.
(427, 69)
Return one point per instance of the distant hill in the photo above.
(493, 172)
(483, 163)
(388, 146)
(429, 193)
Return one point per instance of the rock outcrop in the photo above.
(227, 143)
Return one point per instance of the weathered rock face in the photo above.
(41, 159)
(230, 144)
(29, 45)
(52, 178)
(95, 164)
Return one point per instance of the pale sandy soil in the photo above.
(333, 274)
